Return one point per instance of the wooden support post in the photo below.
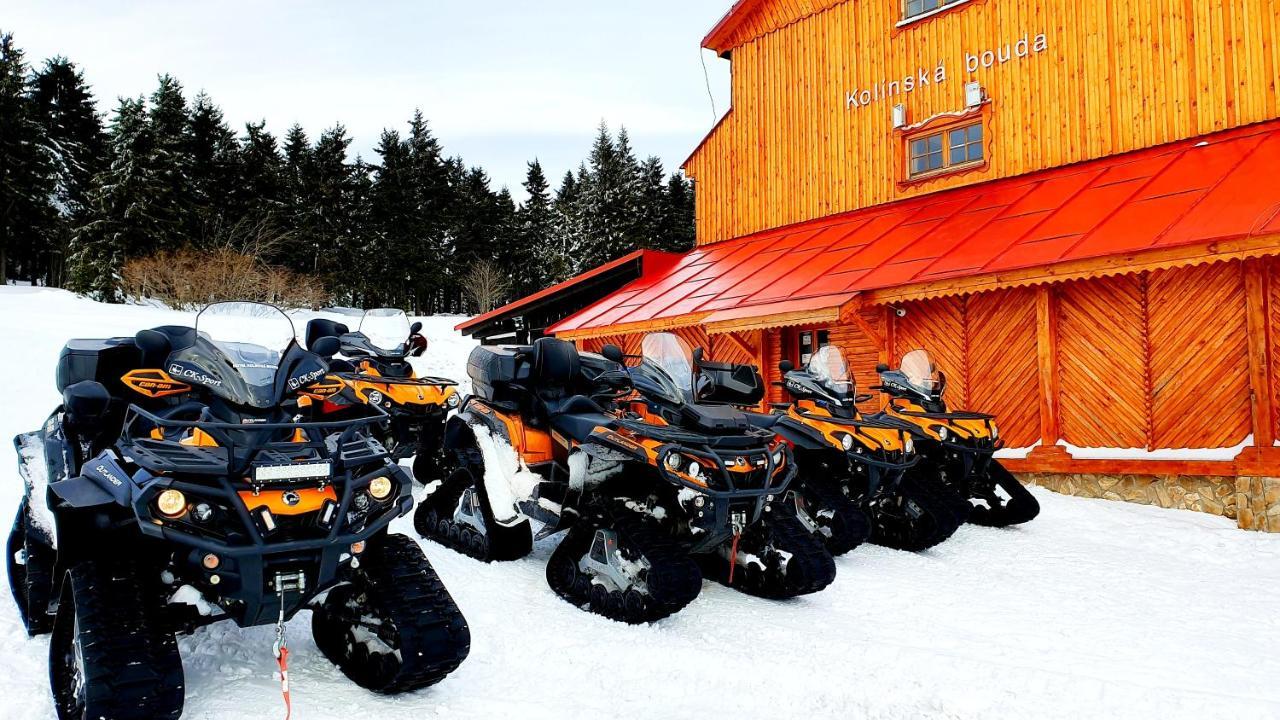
(1261, 373)
(1047, 354)
(888, 349)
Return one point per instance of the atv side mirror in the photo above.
(613, 353)
(882, 368)
(415, 328)
(942, 382)
(326, 347)
(697, 356)
(786, 366)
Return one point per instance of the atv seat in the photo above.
(577, 416)
(762, 420)
(323, 327)
(156, 344)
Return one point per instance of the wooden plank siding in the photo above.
(1147, 360)
(1273, 330)
(1117, 76)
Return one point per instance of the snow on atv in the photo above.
(189, 477)
(957, 447)
(642, 501)
(376, 371)
(848, 461)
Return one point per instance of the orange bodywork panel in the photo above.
(962, 428)
(532, 445)
(808, 413)
(309, 500)
(401, 393)
(153, 383)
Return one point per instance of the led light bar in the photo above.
(294, 471)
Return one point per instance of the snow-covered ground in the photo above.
(1096, 609)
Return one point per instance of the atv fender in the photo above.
(102, 482)
(458, 433)
(800, 435)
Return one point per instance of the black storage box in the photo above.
(102, 360)
(732, 384)
(492, 370)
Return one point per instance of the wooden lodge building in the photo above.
(1074, 205)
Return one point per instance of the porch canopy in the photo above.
(1216, 197)
(528, 317)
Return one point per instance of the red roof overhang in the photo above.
(648, 260)
(1191, 201)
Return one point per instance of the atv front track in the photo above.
(777, 558)
(671, 581)
(395, 628)
(479, 535)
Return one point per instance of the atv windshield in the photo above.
(671, 360)
(921, 373)
(828, 367)
(237, 351)
(386, 328)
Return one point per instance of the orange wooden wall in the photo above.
(1149, 360)
(1117, 76)
(1156, 360)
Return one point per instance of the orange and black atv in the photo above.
(642, 500)
(956, 447)
(376, 371)
(850, 463)
(190, 476)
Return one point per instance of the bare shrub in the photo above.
(485, 285)
(189, 279)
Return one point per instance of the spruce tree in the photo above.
(169, 161)
(432, 198)
(392, 228)
(123, 220)
(651, 205)
(72, 132)
(27, 174)
(296, 183)
(677, 229)
(541, 257)
(211, 153)
(259, 197)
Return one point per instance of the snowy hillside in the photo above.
(1096, 609)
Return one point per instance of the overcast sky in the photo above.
(501, 81)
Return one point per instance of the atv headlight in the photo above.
(777, 456)
(846, 442)
(909, 446)
(380, 488)
(995, 432)
(452, 401)
(695, 470)
(943, 432)
(172, 503)
(673, 461)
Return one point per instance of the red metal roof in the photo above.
(1218, 187)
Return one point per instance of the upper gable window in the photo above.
(912, 9)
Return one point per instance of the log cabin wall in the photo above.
(1112, 77)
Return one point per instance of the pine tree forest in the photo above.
(161, 198)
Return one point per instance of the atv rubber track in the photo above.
(434, 636)
(1021, 506)
(849, 526)
(434, 520)
(940, 511)
(809, 569)
(133, 670)
(673, 579)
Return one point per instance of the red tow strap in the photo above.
(283, 658)
(733, 556)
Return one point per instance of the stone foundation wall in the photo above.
(1253, 502)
